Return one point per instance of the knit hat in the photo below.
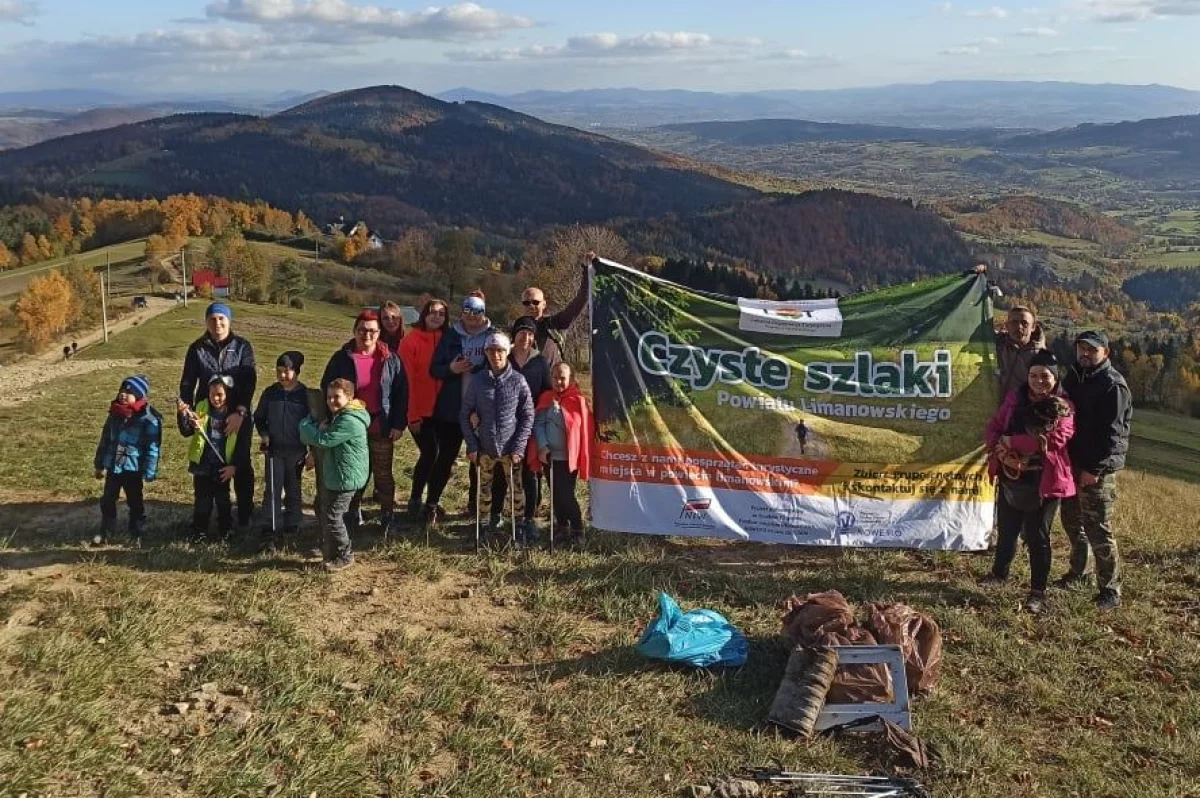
(290, 360)
(474, 304)
(1096, 338)
(497, 340)
(1044, 357)
(219, 309)
(138, 385)
(524, 323)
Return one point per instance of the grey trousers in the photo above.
(281, 490)
(336, 507)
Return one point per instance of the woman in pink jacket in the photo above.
(1027, 453)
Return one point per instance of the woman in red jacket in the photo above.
(1027, 451)
(416, 353)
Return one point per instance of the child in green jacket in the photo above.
(345, 466)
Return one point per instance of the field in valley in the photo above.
(436, 671)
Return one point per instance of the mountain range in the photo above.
(1118, 163)
(396, 158)
(385, 152)
(945, 104)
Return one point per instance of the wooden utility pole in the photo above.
(183, 268)
(108, 271)
(104, 306)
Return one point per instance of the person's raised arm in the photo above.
(566, 317)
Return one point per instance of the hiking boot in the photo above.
(315, 554)
(431, 516)
(992, 580)
(338, 564)
(137, 527)
(527, 533)
(387, 522)
(1035, 602)
(1108, 599)
(1070, 581)
(575, 537)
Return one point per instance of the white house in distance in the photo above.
(341, 228)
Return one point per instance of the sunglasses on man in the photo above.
(531, 303)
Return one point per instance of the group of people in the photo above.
(1057, 442)
(507, 394)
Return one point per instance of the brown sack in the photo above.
(856, 684)
(806, 620)
(919, 639)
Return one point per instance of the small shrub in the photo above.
(297, 303)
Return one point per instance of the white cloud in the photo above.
(18, 11)
(1062, 52)
(945, 8)
(678, 46)
(1140, 10)
(1041, 32)
(995, 12)
(325, 20)
(166, 55)
(975, 47)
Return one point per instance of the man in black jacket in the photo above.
(219, 351)
(548, 334)
(1103, 410)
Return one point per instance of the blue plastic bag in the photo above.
(700, 638)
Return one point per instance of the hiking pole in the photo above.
(199, 428)
(271, 488)
(478, 476)
(512, 503)
(550, 463)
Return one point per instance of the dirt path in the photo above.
(815, 447)
(16, 379)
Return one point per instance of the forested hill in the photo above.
(387, 153)
(856, 239)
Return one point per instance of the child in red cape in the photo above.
(562, 432)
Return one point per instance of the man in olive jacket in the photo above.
(1103, 411)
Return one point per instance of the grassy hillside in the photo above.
(433, 671)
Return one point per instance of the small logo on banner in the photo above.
(814, 318)
(694, 514)
(845, 520)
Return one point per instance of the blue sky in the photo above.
(231, 46)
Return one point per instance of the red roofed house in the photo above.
(217, 285)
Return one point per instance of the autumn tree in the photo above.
(29, 249)
(455, 265)
(304, 225)
(412, 254)
(555, 268)
(7, 259)
(44, 309)
(86, 305)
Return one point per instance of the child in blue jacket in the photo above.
(127, 456)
